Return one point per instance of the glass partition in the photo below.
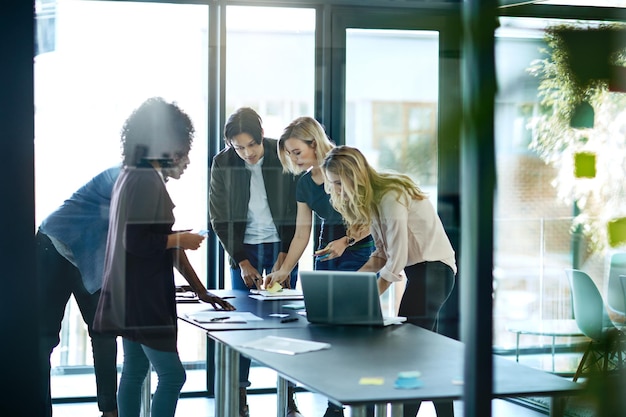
(392, 107)
(97, 61)
(270, 65)
(540, 228)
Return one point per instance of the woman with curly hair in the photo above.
(409, 236)
(138, 292)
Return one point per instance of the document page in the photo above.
(285, 345)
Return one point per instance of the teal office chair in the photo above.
(605, 351)
(615, 295)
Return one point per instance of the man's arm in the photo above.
(224, 222)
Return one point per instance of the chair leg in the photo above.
(581, 366)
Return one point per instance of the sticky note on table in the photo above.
(371, 380)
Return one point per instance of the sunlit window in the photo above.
(98, 61)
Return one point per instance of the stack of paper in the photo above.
(284, 294)
(285, 345)
(223, 317)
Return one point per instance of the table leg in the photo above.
(358, 411)
(397, 409)
(557, 406)
(517, 347)
(281, 396)
(226, 380)
(146, 394)
(232, 381)
(220, 380)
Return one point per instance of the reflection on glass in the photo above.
(270, 64)
(391, 105)
(392, 101)
(533, 233)
(96, 62)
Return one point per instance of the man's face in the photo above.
(247, 148)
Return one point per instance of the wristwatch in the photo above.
(351, 240)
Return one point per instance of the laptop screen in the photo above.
(341, 297)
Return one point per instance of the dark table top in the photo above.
(364, 352)
(243, 302)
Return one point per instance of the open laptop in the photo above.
(343, 297)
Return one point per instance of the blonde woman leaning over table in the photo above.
(301, 149)
(409, 237)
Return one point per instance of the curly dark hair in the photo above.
(156, 130)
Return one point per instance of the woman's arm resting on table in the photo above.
(181, 262)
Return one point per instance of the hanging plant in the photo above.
(574, 86)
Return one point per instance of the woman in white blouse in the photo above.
(409, 237)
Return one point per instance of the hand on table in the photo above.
(251, 277)
(281, 277)
(216, 301)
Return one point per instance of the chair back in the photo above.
(589, 311)
(615, 295)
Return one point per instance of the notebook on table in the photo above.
(343, 297)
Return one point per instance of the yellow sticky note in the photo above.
(616, 231)
(585, 165)
(371, 380)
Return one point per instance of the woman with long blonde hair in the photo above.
(409, 237)
(301, 149)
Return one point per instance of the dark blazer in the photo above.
(229, 195)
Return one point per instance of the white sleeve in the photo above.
(394, 217)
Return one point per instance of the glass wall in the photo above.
(537, 232)
(270, 64)
(392, 106)
(99, 60)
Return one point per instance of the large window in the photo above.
(106, 59)
(536, 237)
(392, 106)
(98, 60)
(270, 64)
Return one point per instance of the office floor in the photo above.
(261, 405)
(264, 405)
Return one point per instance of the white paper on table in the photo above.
(284, 294)
(213, 316)
(285, 345)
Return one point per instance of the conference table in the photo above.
(270, 313)
(362, 364)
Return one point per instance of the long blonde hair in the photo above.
(309, 131)
(362, 187)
